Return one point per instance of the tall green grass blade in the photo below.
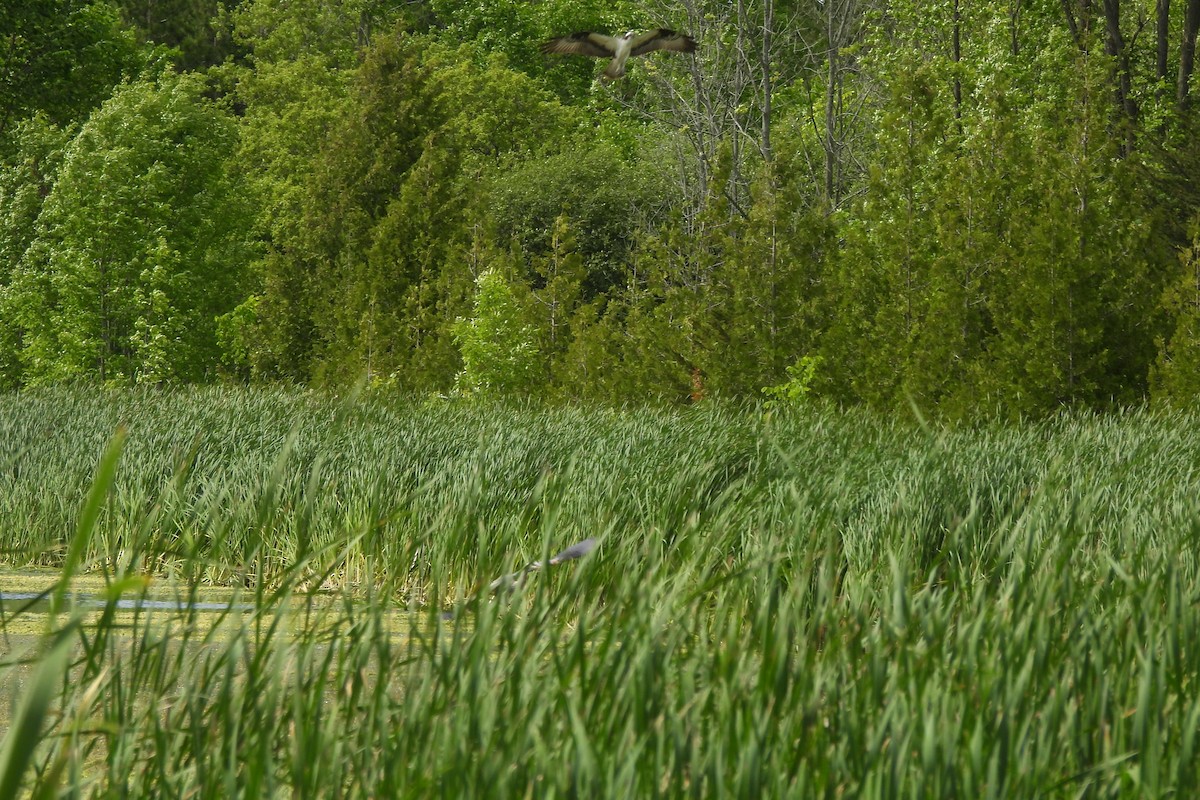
(25, 732)
(102, 484)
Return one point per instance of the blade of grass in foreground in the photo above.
(101, 484)
(25, 732)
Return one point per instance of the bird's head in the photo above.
(629, 34)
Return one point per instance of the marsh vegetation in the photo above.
(811, 603)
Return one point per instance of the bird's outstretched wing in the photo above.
(662, 39)
(575, 551)
(584, 43)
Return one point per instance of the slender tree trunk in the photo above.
(364, 30)
(106, 336)
(1187, 52)
(768, 28)
(1014, 21)
(1078, 14)
(957, 55)
(834, 127)
(1072, 23)
(1161, 37)
(1115, 47)
(836, 20)
(830, 126)
(1084, 191)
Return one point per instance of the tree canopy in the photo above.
(963, 208)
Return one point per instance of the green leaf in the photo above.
(25, 732)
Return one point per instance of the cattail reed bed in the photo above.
(807, 604)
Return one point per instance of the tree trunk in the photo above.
(1014, 20)
(831, 140)
(1072, 24)
(1162, 34)
(957, 55)
(1114, 45)
(768, 28)
(1187, 52)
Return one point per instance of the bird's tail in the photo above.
(614, 70)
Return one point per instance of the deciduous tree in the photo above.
(141, 244)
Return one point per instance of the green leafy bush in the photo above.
(797, 387)
(498, 349)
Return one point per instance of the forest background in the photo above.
(973, 207)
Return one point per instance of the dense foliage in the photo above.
(802, 604)
(967, 209)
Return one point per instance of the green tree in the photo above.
(297, 93)
(292, 107)
(498, 345)
(62, 57)
(1002, 252)
(768, 297)
(192, 27)
(1176, 374)
(391, 222)
(329, 31)
(141, 244)
(27, 177)
(515, 30)
(608, 194)
(895, 278)
(1073, 298)
(559, 276)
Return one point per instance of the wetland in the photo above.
(813, 603)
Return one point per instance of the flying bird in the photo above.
(515, 580)
(620, 48)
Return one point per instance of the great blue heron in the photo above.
(515, 580)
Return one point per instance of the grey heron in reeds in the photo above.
(515, 580)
